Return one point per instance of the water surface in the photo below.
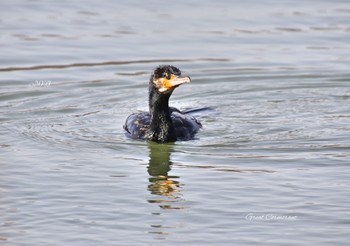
(269, 167)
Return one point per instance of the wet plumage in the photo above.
(162, 123)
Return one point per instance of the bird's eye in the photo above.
(167, 75)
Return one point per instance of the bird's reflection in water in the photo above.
(161, 183)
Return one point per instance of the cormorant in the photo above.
(162, 123)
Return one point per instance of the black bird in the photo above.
(162, 123)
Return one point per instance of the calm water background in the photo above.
(270, 167)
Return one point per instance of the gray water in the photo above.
(269, 167)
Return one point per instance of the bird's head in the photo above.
(166, 78)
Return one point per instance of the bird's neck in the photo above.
(162, 129)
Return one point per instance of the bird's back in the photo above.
(137, 125)
(185, 125)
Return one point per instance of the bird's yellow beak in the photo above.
(173, 82)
